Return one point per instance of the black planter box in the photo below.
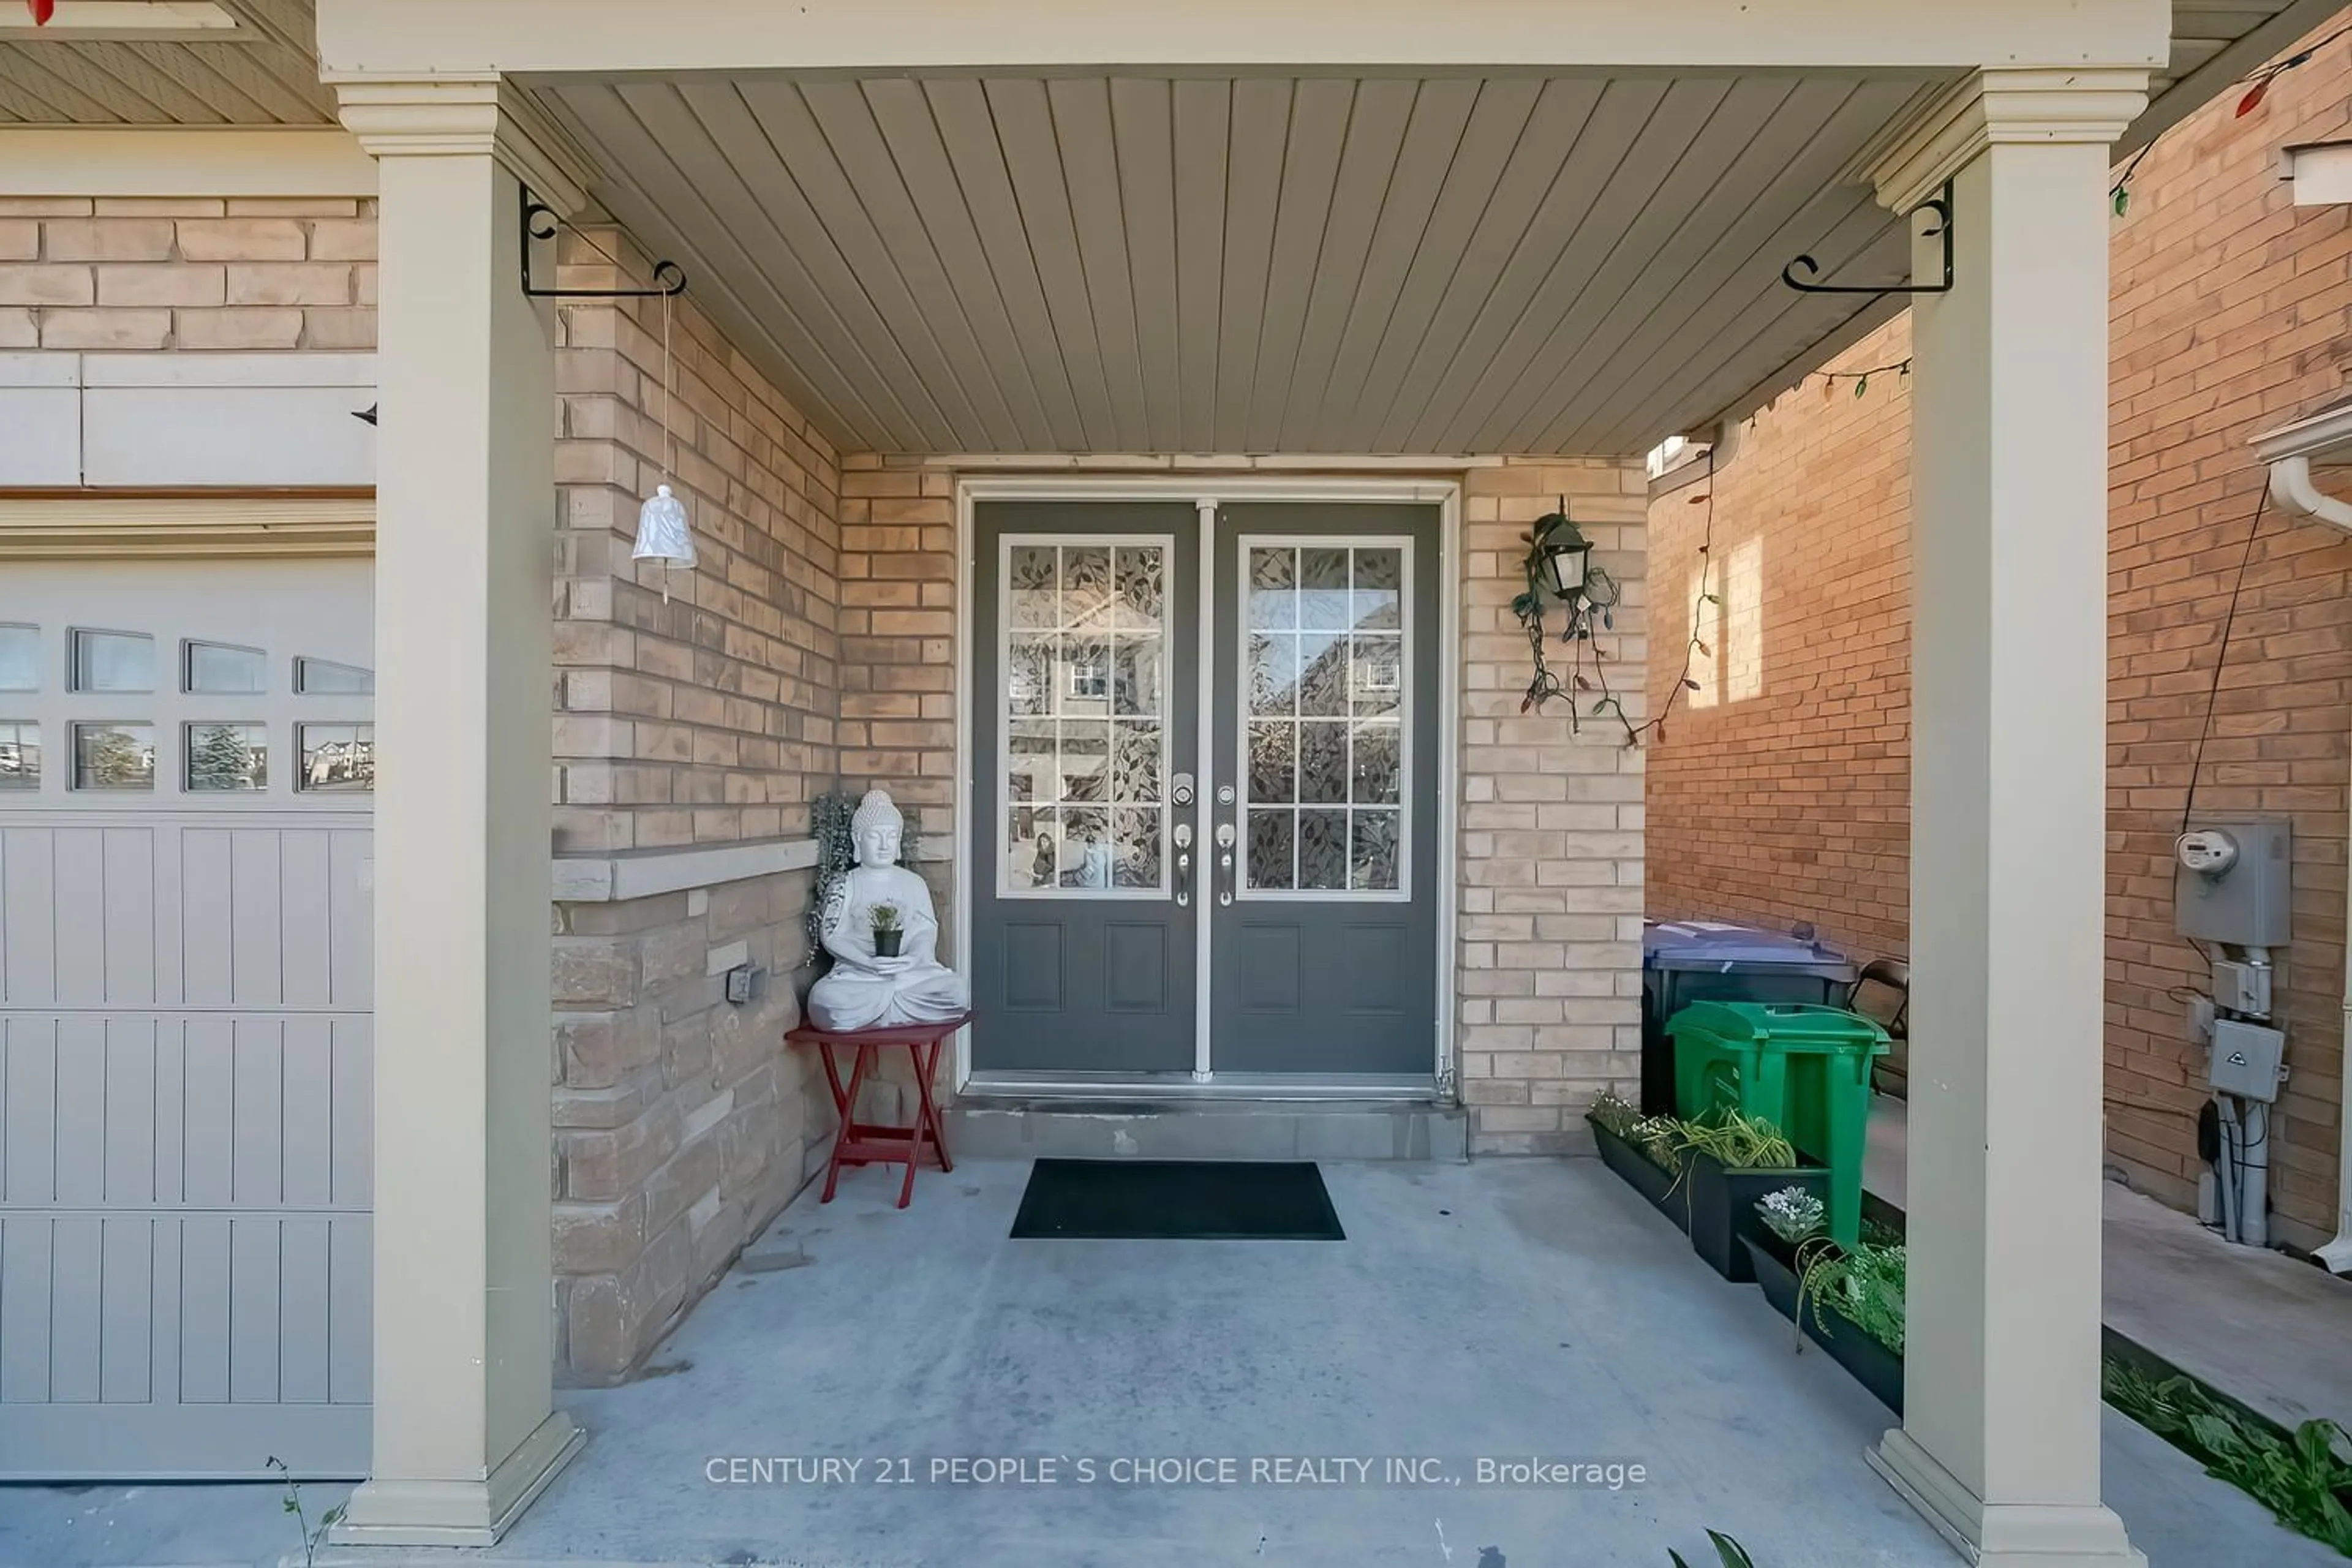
(1874, 1366)
(1642, 1173)
(1721, 1204)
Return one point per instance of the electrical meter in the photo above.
(2209, 852)
(2231, 881)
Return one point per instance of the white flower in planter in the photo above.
(1792, 1214)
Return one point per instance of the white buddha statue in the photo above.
(865, 989)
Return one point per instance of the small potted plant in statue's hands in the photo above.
(887, 932)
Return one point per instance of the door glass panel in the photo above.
(115, 757)
(220, 668)
(227, 757)
(20, 658)
(1323, 734)
(1083, 714)
(321, 677)
(336, 757)
(20, 756)
(113, 662)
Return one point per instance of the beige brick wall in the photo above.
(218, 274)
(2231, 314)
(700, 720)
(1548, 977)
(898, 634)
(707, 716)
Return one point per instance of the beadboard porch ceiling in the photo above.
(1254, 263)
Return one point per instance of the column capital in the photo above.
(483, 115)
(2041, 105)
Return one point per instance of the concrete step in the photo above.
(1041, 1127)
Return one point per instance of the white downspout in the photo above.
(2291, 488)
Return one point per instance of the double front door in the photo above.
(1205, 789)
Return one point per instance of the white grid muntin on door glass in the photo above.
(1324, 718)
(1082, 713)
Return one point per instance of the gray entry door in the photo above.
(1084, 930)
(1324, 926)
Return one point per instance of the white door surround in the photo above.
(1205, 491)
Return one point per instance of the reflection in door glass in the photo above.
(1084, 716)
(1323, 677)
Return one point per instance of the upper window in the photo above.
(222, 668)
(20, 658)
(319, 677)
(113, 662)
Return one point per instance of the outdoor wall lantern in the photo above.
(1565, 553)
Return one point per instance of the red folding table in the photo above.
(872, 1144)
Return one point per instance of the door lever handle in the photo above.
(1183, 878)
(1225, 886)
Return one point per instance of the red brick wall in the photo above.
(2230, 317)
(1781, 793)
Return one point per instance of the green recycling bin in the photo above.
(1801, 1065)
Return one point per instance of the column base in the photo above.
(392, 1513)
(2001, 1535)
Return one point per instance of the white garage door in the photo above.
(186, 768)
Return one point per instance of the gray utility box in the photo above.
(2245, 1060)
(1684, 962)
(2244, 891)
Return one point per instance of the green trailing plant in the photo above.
(314, 1535)
(1728, 1553)
(1864, 1286)
(2301, 1477)
(1792, 1214)
(836, 854)
(1741, 1142)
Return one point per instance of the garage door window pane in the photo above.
(218, 667)
(20, 658)
(319, 677)
(227, 757)
(113, 662)
(338, 757)
(115, 757)
(20, 756)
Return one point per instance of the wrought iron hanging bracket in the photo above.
(540, 221)
(1799, 274)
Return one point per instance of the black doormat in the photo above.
(1177, 1200)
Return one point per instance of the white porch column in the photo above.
(2000, 1445)
(465, 1431)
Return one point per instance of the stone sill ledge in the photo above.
(646, 874)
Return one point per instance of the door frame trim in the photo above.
(1207, 491)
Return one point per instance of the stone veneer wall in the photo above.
(213, 274)
(705, 721)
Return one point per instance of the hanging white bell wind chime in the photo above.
(663, 533)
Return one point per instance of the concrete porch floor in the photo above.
(1503, 1308)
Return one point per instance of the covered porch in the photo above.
(1267, 249)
